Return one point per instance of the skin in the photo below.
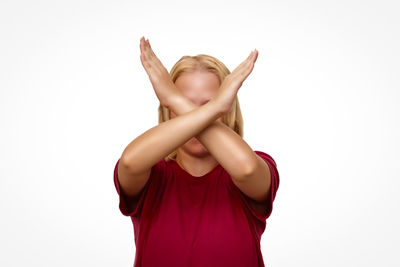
(199, 87)
(195, 130)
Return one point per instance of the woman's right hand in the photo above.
(163, 85)
(231, 84)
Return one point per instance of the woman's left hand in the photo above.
(163, 86)
(232, 82)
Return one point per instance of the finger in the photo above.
(141, 44)
(144, 62)
(255, 55)
(251, 54)
(143, 57)
(248, 60)
(153, 55)
(253, 58)
(245, 71)
(149, 49)
(244, 63)
(144, 48)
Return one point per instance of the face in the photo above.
(199, 87)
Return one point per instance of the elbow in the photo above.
(249, 169)
(246, 169)
(129, 162)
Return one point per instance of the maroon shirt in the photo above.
(183, 220)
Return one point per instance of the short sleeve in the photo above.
(132, 206)
(268, 205)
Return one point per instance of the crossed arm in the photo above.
(249, 172)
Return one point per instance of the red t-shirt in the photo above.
(183, 220)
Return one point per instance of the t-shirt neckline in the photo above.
(198, 178)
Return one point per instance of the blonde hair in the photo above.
(232, 119)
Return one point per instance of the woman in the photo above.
(196, 192)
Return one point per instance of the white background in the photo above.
(322, 100)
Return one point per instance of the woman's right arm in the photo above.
(156, 143)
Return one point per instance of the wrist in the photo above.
(171, 101)
(176, 102)
(216, 107)
(179, 104)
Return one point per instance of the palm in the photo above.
(158, 74)
(234, 81)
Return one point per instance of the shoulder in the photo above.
(265, 156)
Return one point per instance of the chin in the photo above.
(195, 148)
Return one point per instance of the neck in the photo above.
(196, 166)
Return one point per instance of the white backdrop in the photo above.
(322, 100)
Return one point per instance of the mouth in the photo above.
(195, 140)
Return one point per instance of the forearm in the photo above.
(224, 144)
(156, 143)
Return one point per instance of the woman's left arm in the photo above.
(249, 172)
